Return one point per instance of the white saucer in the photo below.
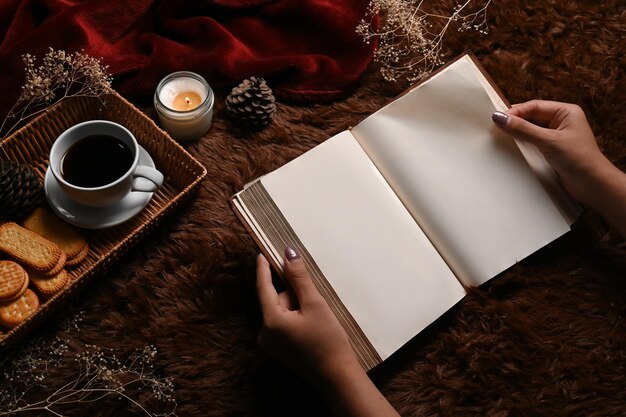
(97, 217)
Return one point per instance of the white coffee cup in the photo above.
(137, 178)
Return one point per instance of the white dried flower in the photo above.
(59, 76)
(410, 40)
(24, 386)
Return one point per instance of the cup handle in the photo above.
(146, 179)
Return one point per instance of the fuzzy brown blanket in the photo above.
(546, 338)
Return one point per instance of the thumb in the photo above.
(522, 129)
(298, 278)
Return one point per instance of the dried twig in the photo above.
(60, 75)
(24, 385)
(410, 39)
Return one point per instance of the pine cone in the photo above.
(20, 189)
(252, 103)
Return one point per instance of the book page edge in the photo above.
(366, 354)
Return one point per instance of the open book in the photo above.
(397, 216)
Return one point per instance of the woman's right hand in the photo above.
(562, 134)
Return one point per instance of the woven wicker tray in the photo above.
(183, 175)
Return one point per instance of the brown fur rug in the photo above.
(547, 338)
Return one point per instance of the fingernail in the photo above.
(499, 118)
(291, 254)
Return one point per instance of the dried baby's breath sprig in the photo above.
(410, 39)
(25, 387)
(101, 375)
(59, 76)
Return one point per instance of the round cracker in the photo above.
(17, 294)
(12, 279)
(19, 310)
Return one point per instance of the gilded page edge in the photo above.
(272, 232)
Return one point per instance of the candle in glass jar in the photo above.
(184, 103)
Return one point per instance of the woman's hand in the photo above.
(300, 330)
(562, 134)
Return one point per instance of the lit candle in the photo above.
(184, 103)
(187, 100)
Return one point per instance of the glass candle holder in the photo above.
(184, 102)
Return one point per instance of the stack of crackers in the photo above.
(39, 252)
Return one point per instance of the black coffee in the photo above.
(95, 161)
